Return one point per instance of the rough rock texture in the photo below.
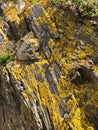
(52, 82)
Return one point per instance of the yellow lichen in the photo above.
(65, 87)
(67, 51)
(12, 14)
(46, 19)
(95, 68)
(44, 2)
(17, 72)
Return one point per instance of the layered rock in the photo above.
(52, 82)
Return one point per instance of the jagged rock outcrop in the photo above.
(52, 82)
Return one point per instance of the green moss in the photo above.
(5, 58)
(34, 1)
(88, 8)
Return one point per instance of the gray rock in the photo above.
(27, 48)
(11, 47)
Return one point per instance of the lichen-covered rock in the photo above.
(52, 82)
(13, 14)
(27, 48)
(3, 36)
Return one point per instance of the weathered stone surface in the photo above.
(27, 48)
(55, 86)
(13, 13)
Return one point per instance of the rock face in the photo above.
(52, 82)
(27, 47)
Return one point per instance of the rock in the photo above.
(27, 48)
(84, 74)
(41, 32)
(13, 15)
(52, 81)
(20, 5)
(1, 12)
(1, 39)
(95, 58)
(11, 47)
